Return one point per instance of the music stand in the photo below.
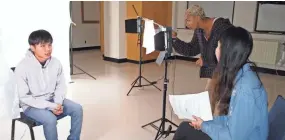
(163, 45)
(135, 26)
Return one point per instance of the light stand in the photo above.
(161, 129)
(71, 49)
(138, 79)
(70, 41)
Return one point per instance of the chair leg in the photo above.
(13, 130)
(32, 133)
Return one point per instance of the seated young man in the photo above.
(41, 87)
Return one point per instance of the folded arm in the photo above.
(60, 89)
(26, 97)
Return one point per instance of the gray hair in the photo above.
(195, 10)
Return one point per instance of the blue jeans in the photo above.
(49, 120)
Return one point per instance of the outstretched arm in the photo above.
(188, 49)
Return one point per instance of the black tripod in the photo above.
(140, 77)
(161, 129)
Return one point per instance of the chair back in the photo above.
(13, 68)
(277, 120)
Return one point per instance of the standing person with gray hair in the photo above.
(207, 32)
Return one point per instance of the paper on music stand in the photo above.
(160, 57)
(148, 38)
(149, 33)
(184, 106)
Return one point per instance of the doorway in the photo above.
(86, 35)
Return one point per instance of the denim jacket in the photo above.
(248, 114)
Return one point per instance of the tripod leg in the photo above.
(160, 135)
(133, 86)
(135, 80)
(152, 84)
(159, 132)
(151, 123)
(171, 122)
(154, 126)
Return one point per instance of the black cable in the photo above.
(173, 83)
(84, 72)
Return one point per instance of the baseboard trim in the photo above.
(115, 60)
(270, 71)
(86, 48)
(123, 60)
(191, 59)
(143, 62)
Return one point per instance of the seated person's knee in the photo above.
(50, 121)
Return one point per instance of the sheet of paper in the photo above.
(160, 57)
(184, 106)
(148, 38)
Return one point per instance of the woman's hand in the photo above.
(174, 34)
(196, 123)
(199, 62)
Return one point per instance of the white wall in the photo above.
(244, 14)
(114, 29)
(180, 8)
(223, 9)
(89, 32)
(15, 36)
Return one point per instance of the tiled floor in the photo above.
(111, 115)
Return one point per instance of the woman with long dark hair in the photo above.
(239, 97)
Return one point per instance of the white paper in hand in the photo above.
(184, 106)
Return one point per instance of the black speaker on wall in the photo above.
(131, 26)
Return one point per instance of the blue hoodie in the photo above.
(38, 84)
(248, 111)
